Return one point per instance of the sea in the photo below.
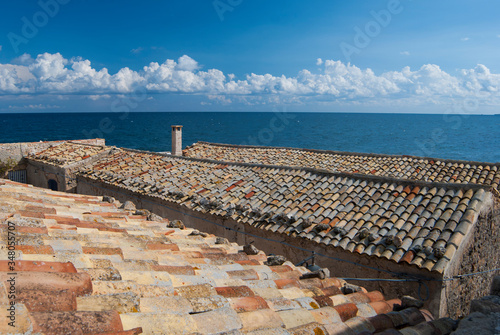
(462, 137)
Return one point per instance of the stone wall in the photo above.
(39, 174)
(17, 151)
(230, 229)
(485, 314)
(480, 253)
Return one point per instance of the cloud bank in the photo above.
(52, 74)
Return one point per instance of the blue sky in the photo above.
(395, 55)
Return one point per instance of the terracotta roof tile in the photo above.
(115, 285)
(54, 323)
(68, 267)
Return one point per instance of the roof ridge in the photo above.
(88, 144)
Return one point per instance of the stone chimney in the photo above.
(177, 140)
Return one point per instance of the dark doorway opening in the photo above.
(53, 184)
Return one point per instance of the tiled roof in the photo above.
(405, 167)
(68, 153)
(418, 223)
(84, 266)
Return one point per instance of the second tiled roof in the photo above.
(419, 223)
(405, 167)
(68, 153)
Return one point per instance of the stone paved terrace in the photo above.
(84, 266)
(68, 153)
(405, 167)
(417, 223)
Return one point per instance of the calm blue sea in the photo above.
(442, 136)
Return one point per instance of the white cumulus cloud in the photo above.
(24, 59)
(335, 81)
(186, 63)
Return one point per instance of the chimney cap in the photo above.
(176, 126)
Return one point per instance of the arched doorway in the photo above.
(53, 184)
